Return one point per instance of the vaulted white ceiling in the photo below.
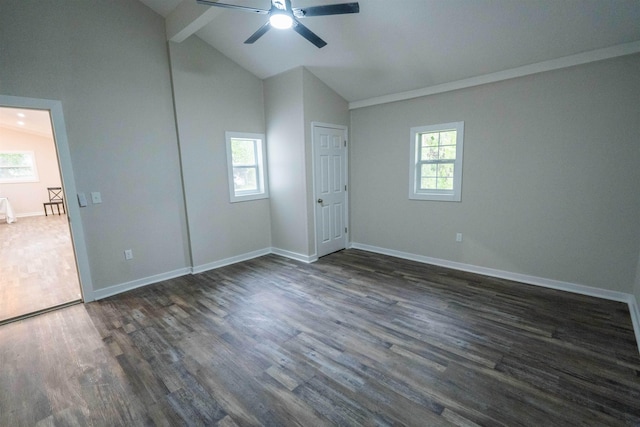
(404, 45)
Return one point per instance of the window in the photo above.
(18, 166)
(436, 162)
(247, 166)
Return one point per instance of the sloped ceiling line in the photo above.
(385, 54)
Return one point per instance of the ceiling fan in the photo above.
(283, 16)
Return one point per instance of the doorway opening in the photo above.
(38, 268)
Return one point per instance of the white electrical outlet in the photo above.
(128, 254)
(458, 237)
(96, 197)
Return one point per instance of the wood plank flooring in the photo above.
(37, 265)
(353, 339)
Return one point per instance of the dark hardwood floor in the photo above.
(353, 339)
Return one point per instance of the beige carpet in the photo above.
(37, 266)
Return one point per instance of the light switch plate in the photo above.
(82, 200)
(96, 197)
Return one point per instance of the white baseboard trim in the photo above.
(26, 214)
(231, 260)
(501, 274)
(293, 255)
(123, 287)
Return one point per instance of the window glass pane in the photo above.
(17, 160)
(17, 167)
(428, 170)
(245, 179)
(428, 183)
(243, 152)
(438, 145)
(445, 170)
(14, 173)
(436, 176)
(445, 183)
(429, 153)
(430, 139)
(447, 152)
(448, 138)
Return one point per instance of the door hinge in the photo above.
(345, 229)
(345, 143)
(345, 188)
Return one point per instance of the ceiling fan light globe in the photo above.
(280, 21)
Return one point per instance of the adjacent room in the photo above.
(310, 212)
(37, 263)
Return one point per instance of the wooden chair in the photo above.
(55, 199)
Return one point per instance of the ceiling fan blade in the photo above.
(232, 6)
(308, 34)
(255, 36)
(331, 9)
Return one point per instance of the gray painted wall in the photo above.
(321, 104)
(550, 176)
(214, 95)
(108, 64)
(293, 100)
(284, 112)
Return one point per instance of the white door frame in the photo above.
(345, 134)
(68, 181)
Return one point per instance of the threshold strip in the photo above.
(38, 312)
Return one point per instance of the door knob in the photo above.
(320, 200)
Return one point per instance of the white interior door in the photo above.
(330, 169)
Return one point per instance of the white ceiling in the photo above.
(32, 121)
(403, 45)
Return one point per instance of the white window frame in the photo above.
(261, 168)
(415, 193)
(34, 168)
